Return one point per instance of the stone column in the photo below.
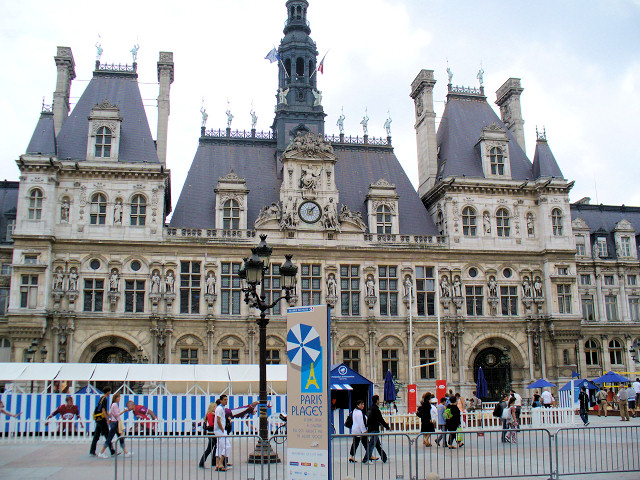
(447, 350)
(624, 301)
(581, 361)
(602, 314)
(543, 354)
(606, 358)
(531, 355)
(461, 365)
(334, 344)
(372, 347)
(210, 333)
(71, 328)
(251, 333)
(165, 77)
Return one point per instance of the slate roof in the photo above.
(355, 170)
(121, 89)
(458, 133)
(43, 140)
(8, 206)
(544, 163)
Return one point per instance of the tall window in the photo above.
(231, 290)
(138, 210)
(272, 288)
(388, 290)
(310, 284)
(93, 294)
(11, 226)
(4, 300)
(35, 204)
(632, 280)
(231, 215)
(425, 291)
(103, 142)
(588, 312)
(383, 219)
(190, 279)
(29, 291)
(611, 305)
(427, 355)
(564, 298)
(634, 308)
(615, 352)
(98, 214)
(474, 298)
(273, 356)
(390, 362)
(509, 300)
(585, 279)
(6, 269)
(609, 280)
(625, 246)
(502, 222)
(230, 356)
(591, 352)
(556, 221)
(601, 246)
(580, 246)
(497, 161)
(134, 296)
(468, 222)
(351, 358)
(188, 356)
(350, 289)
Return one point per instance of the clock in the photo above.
(309, 212)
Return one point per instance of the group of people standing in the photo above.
(627, 399)
(446, 415)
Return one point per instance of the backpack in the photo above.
(97, 412)
(447, 414)
(348, 423)
(497, 411)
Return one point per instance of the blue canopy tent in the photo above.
(347, 387)
(611, 377)
(542, 383)
(565, 392)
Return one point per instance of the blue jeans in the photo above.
(374, 442)
(113, 431)
(584, 416)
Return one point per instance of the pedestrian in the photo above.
(547, 398)
(441, 422)
(452, 421)
(623, 405)
(426, 422)
(583, 398)
(66, 411)
(374, 424)
(475, 403)
(144, 417)
(512, 420)
(116, 427)
(503, 418)
(221, 434)
(358, 429)
(631, 393)
(5, 412)
(601, 398)
(536, 401)
(636, 388)
(611, 398)
(208, 428)
(518, 404)
(102, 426)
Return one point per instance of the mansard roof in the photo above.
(459, 131)
(120, 89)
(256, 162)
(544, 163)
(8, 205)
(43, 140)
(604, 218)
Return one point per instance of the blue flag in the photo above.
(272, 56)
(575, 375)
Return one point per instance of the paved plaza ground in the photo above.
(168, 459)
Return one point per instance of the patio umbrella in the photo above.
(482, 389)
(389, 388)
(542, 383)
(611, 377)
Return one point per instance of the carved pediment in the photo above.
(623, 226)
(106, 105)
(309, 145)
(579, 224)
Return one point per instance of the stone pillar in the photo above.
(624, 301)
(334, 344)
(372, 348)
(602, 314)
(508, 99)
(606, 358)
(461, 365)
(531, 355)
(543, 354)
(210, 333)
(447, 350)
(165, 77)
(422, 95)
(65, 66)
(581, 361)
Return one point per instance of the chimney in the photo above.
(66, 72)
(422, 94)
(165, 77)
(508, 99)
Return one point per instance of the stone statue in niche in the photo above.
(73, 279)
(210, 284)
(493, 287)
(530, 226)
(331, 216)
(408, 286)
(155, 282)
(486, 222)
(309, 178)
(332, 286)
(526, 288)
(58, 279)
(445, 288)
(169, 281)
(64, 211)
(117, 212)
(457, 287)
(114, 280)
(289, 216)
(537, 288)
(371, 287)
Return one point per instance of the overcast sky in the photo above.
(579, 62)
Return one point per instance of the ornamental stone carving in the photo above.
(309, 144)
(346, 215)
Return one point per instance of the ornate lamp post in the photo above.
(252, 274)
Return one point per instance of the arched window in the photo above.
(98, 213)
(35, 204)
(591, 352)
(469, 222)
(383, 219)
(287, 67)
(615, 352)
(502, 222)
(138, 210)
(497, 161)
(103, 142)
(231, 215)
(556, 221)
(300, 67)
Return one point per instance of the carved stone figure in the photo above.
(480, 76)
(340, 122)
(493, 287)
(229, 117)
(64, 211)
(317, 95)
(408, 286)
(269, 212)
(332, 286)
(117, 212)
(331, 215)
(387, 125)
(537, 288)
(457, 287)
(205, 115)
(114, 280)
(371, 287)
(254, 119)
(449, 75)
(73, 280)
(309, 144)
(365, 123)
(58, 279)
(309, 178)
(282, 96)
(169, 281)
(346, 215)
(98, 49)
(445, 290)
(526, 287)
(155, 282)
(290, 214)
(486, 222)
(530, 225)
(210, 284)
(134, 52)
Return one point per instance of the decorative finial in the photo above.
(340, 122)
(204, 113)
(449, 72)
(387, 123)
(98, 48)
(134, 51)
(254, 117)
(365, 122)
(541, 135)
(480, 76)
(229, 116)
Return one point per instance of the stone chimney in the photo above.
(422, 94)
(508, 99)
(66, 72)
(165, 77)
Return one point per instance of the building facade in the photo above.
(489, 246)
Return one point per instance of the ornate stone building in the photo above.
(487, 245)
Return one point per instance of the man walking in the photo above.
(623, 403)
(636, 388)
(101, 427)
(547, 398)
(518, 404)
(601, 397)
(583, 398)
(374, 422)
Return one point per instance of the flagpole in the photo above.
(437, 307)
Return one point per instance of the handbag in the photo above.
(459, 435)
(348, 423)
(120, 427)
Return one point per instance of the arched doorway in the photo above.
(112, 355)
(496, 366)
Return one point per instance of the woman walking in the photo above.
(357, 430)
(115, 427)
(452, 421)
(512, 420)
(209, 424)
(426, 421)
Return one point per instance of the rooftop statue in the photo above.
(134, 52)
(480, 76)
(365, 123)
(340, 122)
(387, 124)
(449, 74)
(204, 113)
(254, 119)
(98, 49)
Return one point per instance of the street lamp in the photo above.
(252, 274)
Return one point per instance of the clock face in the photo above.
(310, 212)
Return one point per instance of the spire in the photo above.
(297, 16)
(544, 163)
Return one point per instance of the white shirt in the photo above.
(547, 397)
(219, 415)
(358, 422)
(518, 398)
(636, 387)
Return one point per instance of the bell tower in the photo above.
(299, 103)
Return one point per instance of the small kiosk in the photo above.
(347, 387)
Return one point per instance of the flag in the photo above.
(575, 375)
(321, 66)
(272, 56)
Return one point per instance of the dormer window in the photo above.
(11, 226)
(231, 202)
(382, 208)
(383, 219)
(625, 246)
(103, 142)
(556, 222)
(494, 151)
(231, 215)
(503, 222)
(601, 247)
(497, 161)
(35, 204)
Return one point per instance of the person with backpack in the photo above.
(583, 399)
(452, 421)
(374, 422)
(426, 422)
(498, 412)
(101, 426)
(358, 428)
(441, 422)
(510, 415)
(207, 427)
(116, 426)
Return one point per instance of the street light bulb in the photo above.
(253, 267)
(288, 273)
(264, 251)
